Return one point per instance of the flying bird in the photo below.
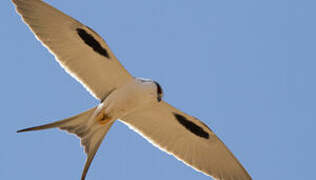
(136, 102)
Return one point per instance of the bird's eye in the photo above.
(159, 91)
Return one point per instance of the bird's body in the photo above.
(132, 96)
(136, 102)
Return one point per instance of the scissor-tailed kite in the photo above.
(136, 102)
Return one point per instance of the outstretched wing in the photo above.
(188, 139)
(80, 50)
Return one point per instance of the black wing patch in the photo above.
(93, 43)
(189, 125)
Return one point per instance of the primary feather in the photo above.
(78, 49)
(188, 139)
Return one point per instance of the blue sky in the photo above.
(246, 68)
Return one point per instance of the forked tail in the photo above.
(90, 132)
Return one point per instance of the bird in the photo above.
(136, 102)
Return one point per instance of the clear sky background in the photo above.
(246, 68)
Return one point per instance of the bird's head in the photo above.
(155, 85)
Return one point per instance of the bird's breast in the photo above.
(127, 99)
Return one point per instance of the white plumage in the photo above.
(135, 101)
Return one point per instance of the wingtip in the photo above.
(24, 130)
